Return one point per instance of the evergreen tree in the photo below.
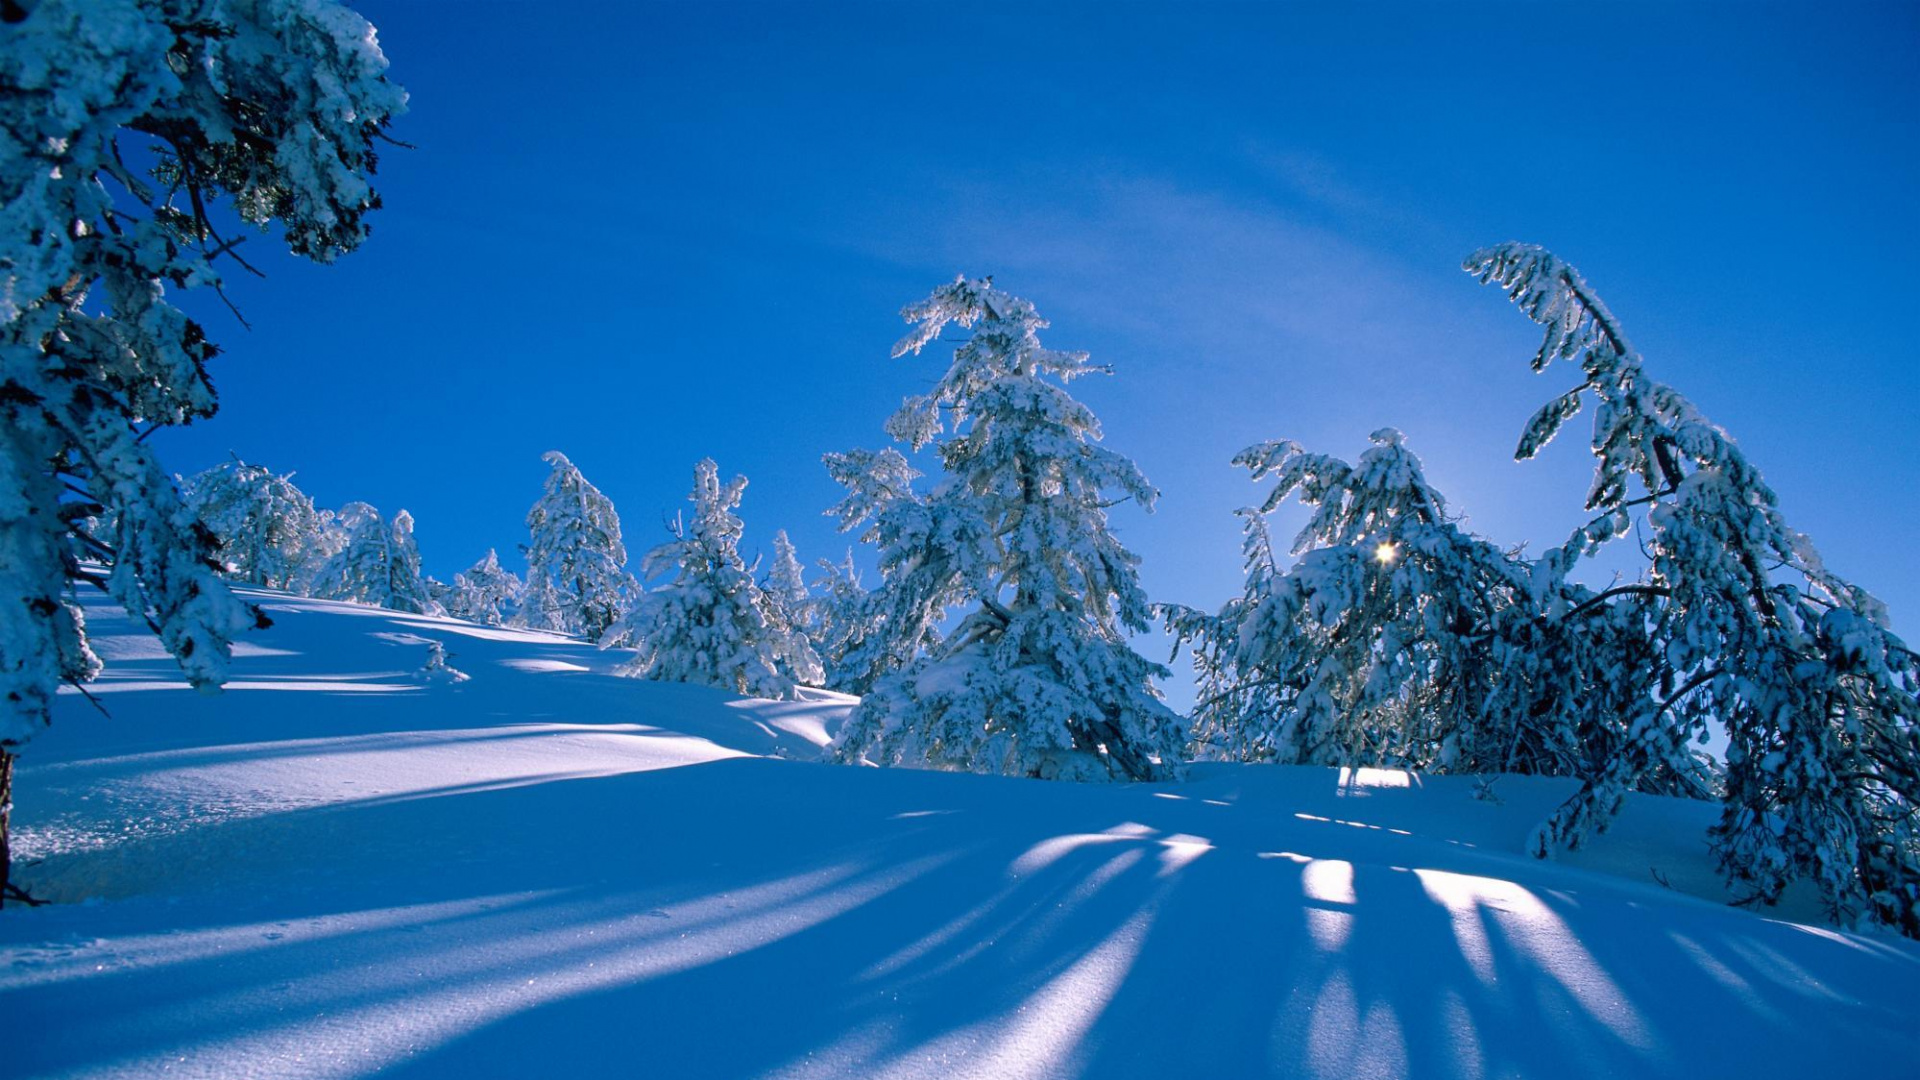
(1358, 654)
(274, 104)
(785, 585)
(837, 622)
(1746, 629)
(792, 613)
(711, 624)
(485, 593)
(268, 530)
(1399, 640)
(1037, 679)
(380, 564)
(438, 668)
(576, 581)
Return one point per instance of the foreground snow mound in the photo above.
(336, 868)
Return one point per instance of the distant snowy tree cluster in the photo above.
(266, 532)
(711, 622)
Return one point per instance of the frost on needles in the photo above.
(1037, 678)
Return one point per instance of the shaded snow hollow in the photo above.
(335, 868)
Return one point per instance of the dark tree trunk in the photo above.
(6, 823)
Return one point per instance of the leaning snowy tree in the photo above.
(268, 531)
(1037, 679)
(485, 592)
(274, 105)
(1750, 632)
(711, 624)
(380, 564)
(576, 577)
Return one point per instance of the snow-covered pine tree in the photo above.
(710, 624)
(268, 530)
(1238, 708)
(576, 577)
(837, 621)
(1748, 630)
(275, 104)
(380, 564)
(791, 610)
(785, 585)
(485, 592)
(1381, 646)
(1037, 679)
(1398, 639)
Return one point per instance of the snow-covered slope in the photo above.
(334, 868)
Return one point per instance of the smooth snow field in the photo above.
(336, 869)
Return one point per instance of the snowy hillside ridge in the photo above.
(337, 866)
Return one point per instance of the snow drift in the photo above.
(338, 867)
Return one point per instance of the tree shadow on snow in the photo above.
(749, 917)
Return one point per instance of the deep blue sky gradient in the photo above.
(643, 234)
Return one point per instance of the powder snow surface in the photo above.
(336, 868)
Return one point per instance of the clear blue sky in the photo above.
(643, 234)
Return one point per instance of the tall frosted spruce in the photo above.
(577, 581)
(785, 586)
(1037, 678)
(275, 107)
(1749, 631)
